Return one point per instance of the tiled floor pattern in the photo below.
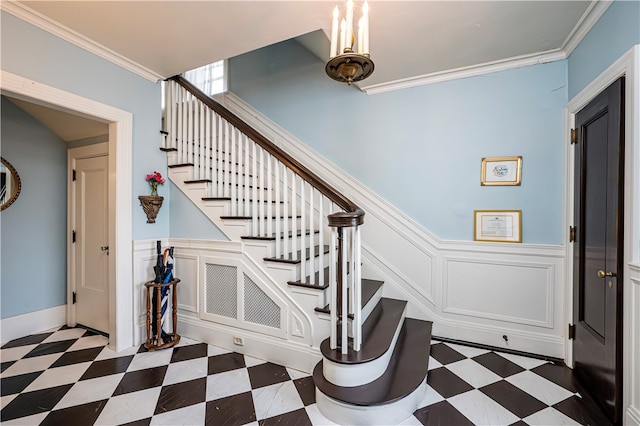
(69, 377)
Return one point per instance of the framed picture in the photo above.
(501, 171)
(497, 225)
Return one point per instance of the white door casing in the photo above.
(89, 277)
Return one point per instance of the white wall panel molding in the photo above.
(191, 257)
(502, 290)
(31, 323)
(369, 256)
(632, 335)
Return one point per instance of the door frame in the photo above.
(629, 66)
(121, 315)
(74, 154)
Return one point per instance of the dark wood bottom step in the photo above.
(289, 257)
(407, 370)
(377, 334)
(369, 288)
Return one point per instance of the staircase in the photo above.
(306, 235)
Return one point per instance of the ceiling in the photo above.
(411, 41)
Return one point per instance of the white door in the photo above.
(91, 251)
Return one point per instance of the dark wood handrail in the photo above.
(353, 214)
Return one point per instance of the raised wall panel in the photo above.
(412, 264)
(513, 292)
(186, 268)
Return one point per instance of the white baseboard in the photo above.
(34, 322)
(278, 351)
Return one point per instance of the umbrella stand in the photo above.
(157, 338)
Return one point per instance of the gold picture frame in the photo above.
(504, 226)
(498, 171)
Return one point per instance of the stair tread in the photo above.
(237, 199)
(273, 237)
(251, 217)
(319, 284)
(369, 288)
(377, 334)
(289, 258)
(406, 371)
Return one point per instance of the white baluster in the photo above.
(263, 228)
(294, 220)
(357, 315)
(255, 191)
(219, 157)
(345, 296)
(247, 177)
(279, 235)
(196, 148)
(321, 228)
(208, 151)
(285, 209)
(189, 125)
(227, 155)
(234, 181)
(180, 133)
(303, 228)
(202, 140)
(312, 253)
(333, 289)
(269, 188)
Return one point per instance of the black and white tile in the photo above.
(69, 376)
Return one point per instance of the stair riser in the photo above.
(387, 414)
(360, 374)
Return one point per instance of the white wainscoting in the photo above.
(473, 291)
(631, 391)
(32, 323)
(291, 344)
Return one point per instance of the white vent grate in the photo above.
(221, 290)
(258, 307)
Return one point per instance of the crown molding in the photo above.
(594, 12)
(465, 72)
(589, 18)
(38, 20)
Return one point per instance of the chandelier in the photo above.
(345, 64)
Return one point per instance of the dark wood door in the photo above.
(598, 250)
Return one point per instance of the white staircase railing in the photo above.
(281, 197)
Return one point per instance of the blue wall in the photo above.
(34, 255)
(612, 36)
(421, 148)
(35, 54)
(187, 221)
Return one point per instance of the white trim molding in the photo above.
(629, 66)
(31, 323)
(120, 191)
(30, 16)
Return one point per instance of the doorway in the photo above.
(121, 318)
(598, 259)
(88, 210)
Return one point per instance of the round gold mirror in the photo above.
(10, 184)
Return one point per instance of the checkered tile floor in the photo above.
(69, 377)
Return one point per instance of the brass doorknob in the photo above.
(602, 274)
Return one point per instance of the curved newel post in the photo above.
(345, 279)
